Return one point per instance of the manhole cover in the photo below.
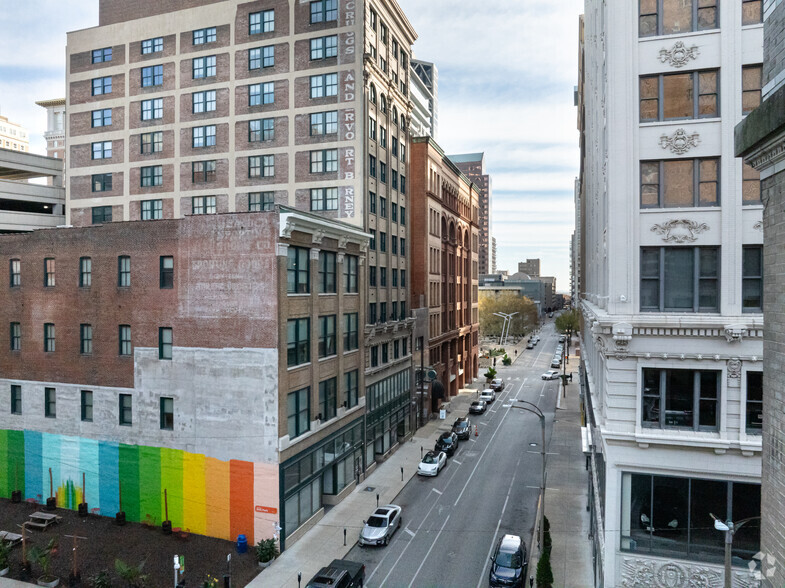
(370, 489)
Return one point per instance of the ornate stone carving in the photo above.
(622, 335)
(287, 230)
(640, 572)
(678, 55)
(318, 237)
(680, 142)
(758, 226)
(735, 333)
(734, 372)
(680, 230)
(343, 240)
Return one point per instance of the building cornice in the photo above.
(291, 220)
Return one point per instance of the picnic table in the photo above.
(42, 520)
(10, 538)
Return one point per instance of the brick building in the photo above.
(445, 265)
(209, 357)
(473, 165)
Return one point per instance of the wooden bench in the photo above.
(42, 520)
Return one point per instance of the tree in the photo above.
(544, 571)
(506, 303)
(569, 321)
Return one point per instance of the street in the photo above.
(451, 523)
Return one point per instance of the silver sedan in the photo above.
(380, 526)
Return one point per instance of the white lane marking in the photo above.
(456, 461)
(412, 533)
(437, 491)
(424, 559)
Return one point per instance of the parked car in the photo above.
(488, 395)
(341, 573)
(530, 345)
(562, 338)
(381, 525)
(462, 427)
(477, 407)
(508, 563)
(556, 362)
(497, 384)
(447, 442)
(432, 463)
(550, 375)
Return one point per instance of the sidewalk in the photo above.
(324, 542)
(566, 496)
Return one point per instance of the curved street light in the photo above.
(729, 528)
(534, 409)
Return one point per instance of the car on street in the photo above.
(447, 442)
(462, 427)
(550, 375)
(341, 573)
(508, 563)
(381, 525)
(477, 407)
(562, 338)
(488, 395)
(432, 463)
(529, 345)
(497, 384)
(556, 362)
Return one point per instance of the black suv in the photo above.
(447, 442)
(462, 427)
(508, 564)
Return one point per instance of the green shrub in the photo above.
(506, 360)
(490, 374)
(544, 572)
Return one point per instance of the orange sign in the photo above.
(267, 509)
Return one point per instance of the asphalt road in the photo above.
(489, 488)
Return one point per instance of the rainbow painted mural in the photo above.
(208, 496)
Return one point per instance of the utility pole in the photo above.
(534, 409)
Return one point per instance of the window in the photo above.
(372, 166)
(124, 338)
(324, 47)
(394, 277)
(152, 176)
(327, 272)
(350, 332)
(15, 273)
(85, 272)
(166, 271)
(403, 182)
(85, 339)
(152, 142)
(324, 85)
(102, 117)
(87, 406)
(152, 45)
(681, 399)
(164, 343)
(382, 135)
(403, 280)
(403, 316)
(373, 19)
(324, 161)
(750, 193)
(403, 157)
(152, 209)
(203, 136)
(298, 412)
(328, 398)
(203, 36)
(324, 198)
(102, 183)
(261, 57)
(261, 22)
(396, 343)
(102, 150)
(394, 146)
(125, 413)
(751, 84)
(382, 242)
(752, 279)
(382, 312)
(671, 96)
(372, 241)
(152, 109)
(16, 336)
(383, 277)
(372, 128)
(166, 411)
(49, 272)
(681, 279)
(326, 335)
(203, 67)
(382, 172)
(385, 349)
(50, 403)
(394, 179)
(751, 12)
(372, 202)
(203, 101)
(680, 183)
(394, 212)
(152, 75)
(102, 214)
(16, 399)
(383, 207)
(374, 356)
(49, 337)
(261, 130)
(297, 271)
(260, 201)
(324, 11)
(383, 32)
(124, 271)
(261, 166)
(668, 17)
(351, 388)
(203, 205)
(101, 55)
(261, 94)
(324, 123)
(372, 313)
(298, 333)
(372, 275)
(372, 94)
(203, 171)
(102, 86)
(754, 403)
(350, 263)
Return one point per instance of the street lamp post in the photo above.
(504, 325)
(534, 409)
(729, 528)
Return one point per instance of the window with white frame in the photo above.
(261, 57)
(324, 198)
(324, 47)
(680, 279)
(261, 166)
(203, 101)
(259, 94)
(261, 201)
(324, 161)
(203, 136)
(324, 11)
(152, 45)
(203, 67)
(152, 209)
(203, 205)
(152, 175)
(152, 109)
(262, 129)
(152, 142)
(261, 22)
(152, 76)
(324, 123)
(681, 399)
(203, 36)
(324, 85)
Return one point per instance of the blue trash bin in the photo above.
(242, 544)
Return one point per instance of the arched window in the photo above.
(395, 116)
(403, 123)
(373, 94)
(383, 103)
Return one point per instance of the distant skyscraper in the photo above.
(530, 266)
(493, 255)
(55, 127)
(424, 93)
(13, 136)
(473, 165)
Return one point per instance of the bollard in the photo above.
(377, 501)
(344, 537)
(401, 473)
(421, 448)
(299, 578)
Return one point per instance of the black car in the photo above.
(447, 442)
(462, 427)
(508, 563)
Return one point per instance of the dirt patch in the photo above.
(132, 543)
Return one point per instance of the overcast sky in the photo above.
(507, 69)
